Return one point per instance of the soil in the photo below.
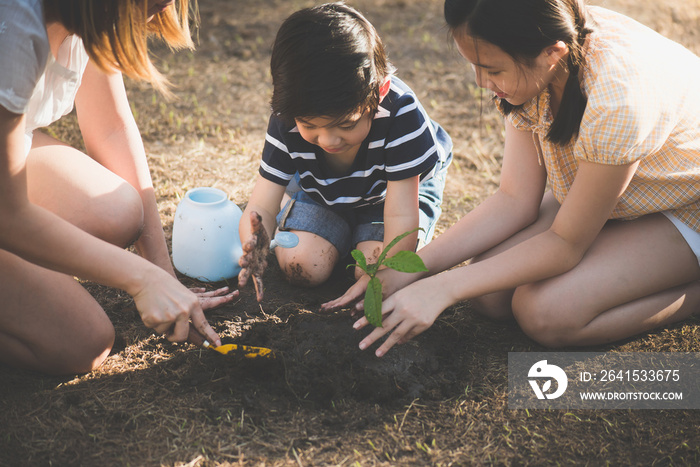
(440, 399)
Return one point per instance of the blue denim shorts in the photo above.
(345, 229)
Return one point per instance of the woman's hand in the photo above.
(167, 306)
(254, 259)
(406, 314)
(214, 298)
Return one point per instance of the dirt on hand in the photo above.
(254, 259)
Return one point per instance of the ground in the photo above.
(438, 400)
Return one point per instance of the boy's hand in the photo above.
(353, 295)
(254, 259)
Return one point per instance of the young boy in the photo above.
(351, 159)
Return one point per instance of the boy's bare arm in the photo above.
(257, 224)
(401, 213)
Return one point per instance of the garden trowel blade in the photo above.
(244, 351)
(236, 350)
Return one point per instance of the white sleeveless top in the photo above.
(54, 94)
(32, 81)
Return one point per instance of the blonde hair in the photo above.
(115, 33)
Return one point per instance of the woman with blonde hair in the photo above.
(66, 213)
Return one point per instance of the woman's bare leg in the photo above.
(48, 322)
(72, 185)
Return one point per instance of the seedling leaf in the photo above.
(380, 260)
(405, 261)
(360, 258)
(373, 302)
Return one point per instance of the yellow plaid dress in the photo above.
(643, 104)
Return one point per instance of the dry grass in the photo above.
(440, 400)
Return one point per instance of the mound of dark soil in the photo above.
(318, 360)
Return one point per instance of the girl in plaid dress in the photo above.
(594, 233)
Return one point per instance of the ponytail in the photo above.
(567, 123)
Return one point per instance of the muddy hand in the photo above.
(254, 259)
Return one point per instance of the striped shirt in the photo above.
(643, 105)
(402, 142)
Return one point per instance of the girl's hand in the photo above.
(254, 259)
(213, 299)
(407, 313)
(167, 306)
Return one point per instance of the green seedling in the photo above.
(403, 261)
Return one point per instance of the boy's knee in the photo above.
(300, 276)
(307, 268)
(304, 273)
(358, 273)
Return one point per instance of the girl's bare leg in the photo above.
(638, 275)
(48, 322)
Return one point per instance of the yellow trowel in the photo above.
(246, 351)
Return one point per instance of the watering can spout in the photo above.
(285, 240)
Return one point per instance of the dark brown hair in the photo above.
(522, 29)
(327, 61)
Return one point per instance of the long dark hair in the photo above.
(522, 29)
(327, 61)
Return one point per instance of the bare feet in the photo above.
(254, 259)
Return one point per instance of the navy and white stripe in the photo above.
(403, 142)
